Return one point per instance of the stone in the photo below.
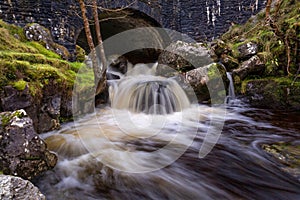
(182, 57)
(18, 189)
(61, 17)
(13, 99)
(252, 66)
(271, 93)
(22, 152)
(37, 32)
(208, 82)
(247, 50)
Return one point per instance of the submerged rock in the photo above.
(16, 188)
(288, 154)
(22, 152)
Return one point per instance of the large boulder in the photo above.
(36, 32)
(208, 82)
(181, 57)
(22, 152)
(18, 189)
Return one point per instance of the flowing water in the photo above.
(148, 148)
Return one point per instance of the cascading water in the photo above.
(231, 93)
(142, 91)
(129, 151)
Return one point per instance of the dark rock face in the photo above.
(16, 188)
(14, 99)
(274, 94)
(202, 20)
(22, 152)
(44, 109)
(37, 32)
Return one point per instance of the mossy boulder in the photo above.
(36, 32)
(253, 66)
(209, 83)
(274, 93)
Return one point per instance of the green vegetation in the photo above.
(277, 38)
(20, 85)
(7, 116)
(24, 62)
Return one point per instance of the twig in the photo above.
(114, 10)
(113, 18)
(296, 76)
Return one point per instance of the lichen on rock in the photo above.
(22, 152)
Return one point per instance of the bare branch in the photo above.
(113, 18)
(114, 10)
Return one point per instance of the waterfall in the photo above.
(141, 91)
(231, 93)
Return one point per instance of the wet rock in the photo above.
(39, 33)
(247, 50)
(181, 56)
(16, 188)
(208, 82)
(252, 66)
(22, 152)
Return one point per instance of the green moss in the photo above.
(80, 54)
(43, 50)
(7, 116)
(273, 39)
(20, 85)
(25, 62)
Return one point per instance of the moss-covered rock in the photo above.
(33, 78)
(209, 83)
(273, 48)
(275, 93)
(288, 154)
(36, 32)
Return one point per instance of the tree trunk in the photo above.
(268, 8)
(96, 67)
(101, 84)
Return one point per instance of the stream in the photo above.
(148, 148)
